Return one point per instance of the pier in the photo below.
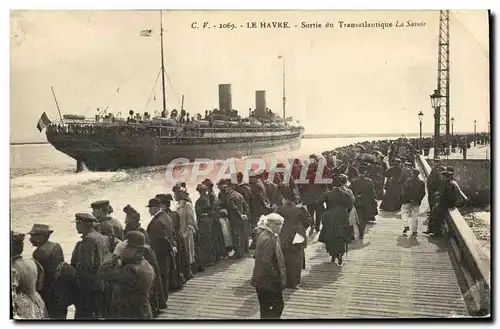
(388, 275)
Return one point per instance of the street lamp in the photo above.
(475, 136)
(420, 118)
(436, 104)
(452, 122)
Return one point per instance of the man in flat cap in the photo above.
(49, 254)
(26, 277)
(161, 239)
(100, 209)
(132, 277)
(413, 193)
(446, 198)
(88, 256)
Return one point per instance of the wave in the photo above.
(40, 183)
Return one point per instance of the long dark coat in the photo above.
(273, 193)
(219, 246)
(161, 238)
(205, 252)
(260, 202)
(157, 296)
(365, 203)
(132, 285)
(87, 258)
(269, 272)
(236, 209)
(177, 277)
(296, 221)
(392, 200)
(335, 231)
(50, 255)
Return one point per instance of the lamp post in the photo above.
(452, 122)
(420, 118)
(489, 132)
(436, 104)
(475, 136)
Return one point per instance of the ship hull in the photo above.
(111, 155)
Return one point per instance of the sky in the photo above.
(349, 80)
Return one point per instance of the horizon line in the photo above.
(308, 136)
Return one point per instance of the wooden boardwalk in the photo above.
(388, 275)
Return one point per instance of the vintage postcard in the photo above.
(180, 165)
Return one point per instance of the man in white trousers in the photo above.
(413, 193)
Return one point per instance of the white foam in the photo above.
(33, 184)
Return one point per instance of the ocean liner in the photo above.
(108, 142)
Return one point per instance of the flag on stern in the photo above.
(43, 122)
(145, 33)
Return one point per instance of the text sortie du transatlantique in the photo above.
(206, 25)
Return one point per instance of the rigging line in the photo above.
(116, 92)
(152, 91)
(172, 86)
(126, 78)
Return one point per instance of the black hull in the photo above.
(112, 155)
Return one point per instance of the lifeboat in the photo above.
(202, 123)
(233, 123)
(220, 123)
(164, 121)
(73, 117)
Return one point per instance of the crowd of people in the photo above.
(128, 272)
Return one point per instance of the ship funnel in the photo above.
(225, 100)
(260, 103)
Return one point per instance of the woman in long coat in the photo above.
(353, 214)
(394, 187)
(177, 279)
(26, 278)
(296, 222)
(187, 227)
(335, 232)
(205, 255)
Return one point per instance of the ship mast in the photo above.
(284, 94)
(162, 65)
